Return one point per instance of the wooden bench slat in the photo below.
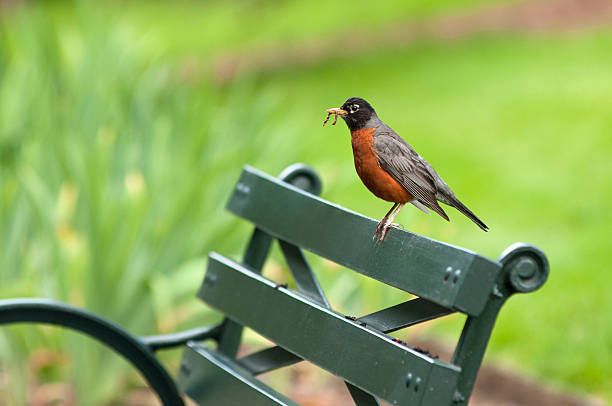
(366, 358)
(447, 275)
(254, 257)
(211, 378)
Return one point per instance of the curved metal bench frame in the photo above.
(139, 351)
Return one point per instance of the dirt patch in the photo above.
(526, 17)
(497, 386)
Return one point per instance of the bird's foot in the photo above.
(386, 228)
(379, 228)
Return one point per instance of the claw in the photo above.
(379, 228)
(386, 229)
(384, 232)
(387, 222)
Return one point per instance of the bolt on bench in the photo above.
(445, 279)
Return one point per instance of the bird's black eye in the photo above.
(354, 108)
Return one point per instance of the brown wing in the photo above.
(402, 162)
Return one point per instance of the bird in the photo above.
(391, 169)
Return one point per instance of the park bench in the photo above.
(443, 279)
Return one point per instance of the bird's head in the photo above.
(356, 112)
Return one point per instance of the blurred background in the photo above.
(124, 125)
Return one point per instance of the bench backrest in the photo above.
(444, 278)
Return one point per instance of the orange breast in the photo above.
(372, 175)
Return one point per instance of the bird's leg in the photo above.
(389, 223)
(383, 221)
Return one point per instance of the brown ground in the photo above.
(525, 17)
(495, 386)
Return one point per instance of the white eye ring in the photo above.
(354, 108)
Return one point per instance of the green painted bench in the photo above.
(443, 279)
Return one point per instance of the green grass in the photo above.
(114, 169)
(207, 28)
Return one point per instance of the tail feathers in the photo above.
(436, 207)
(463, 209)
(420, 206)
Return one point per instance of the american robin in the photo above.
(392, 169)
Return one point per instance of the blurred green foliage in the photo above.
(116, 159)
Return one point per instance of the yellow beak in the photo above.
(337, 110)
